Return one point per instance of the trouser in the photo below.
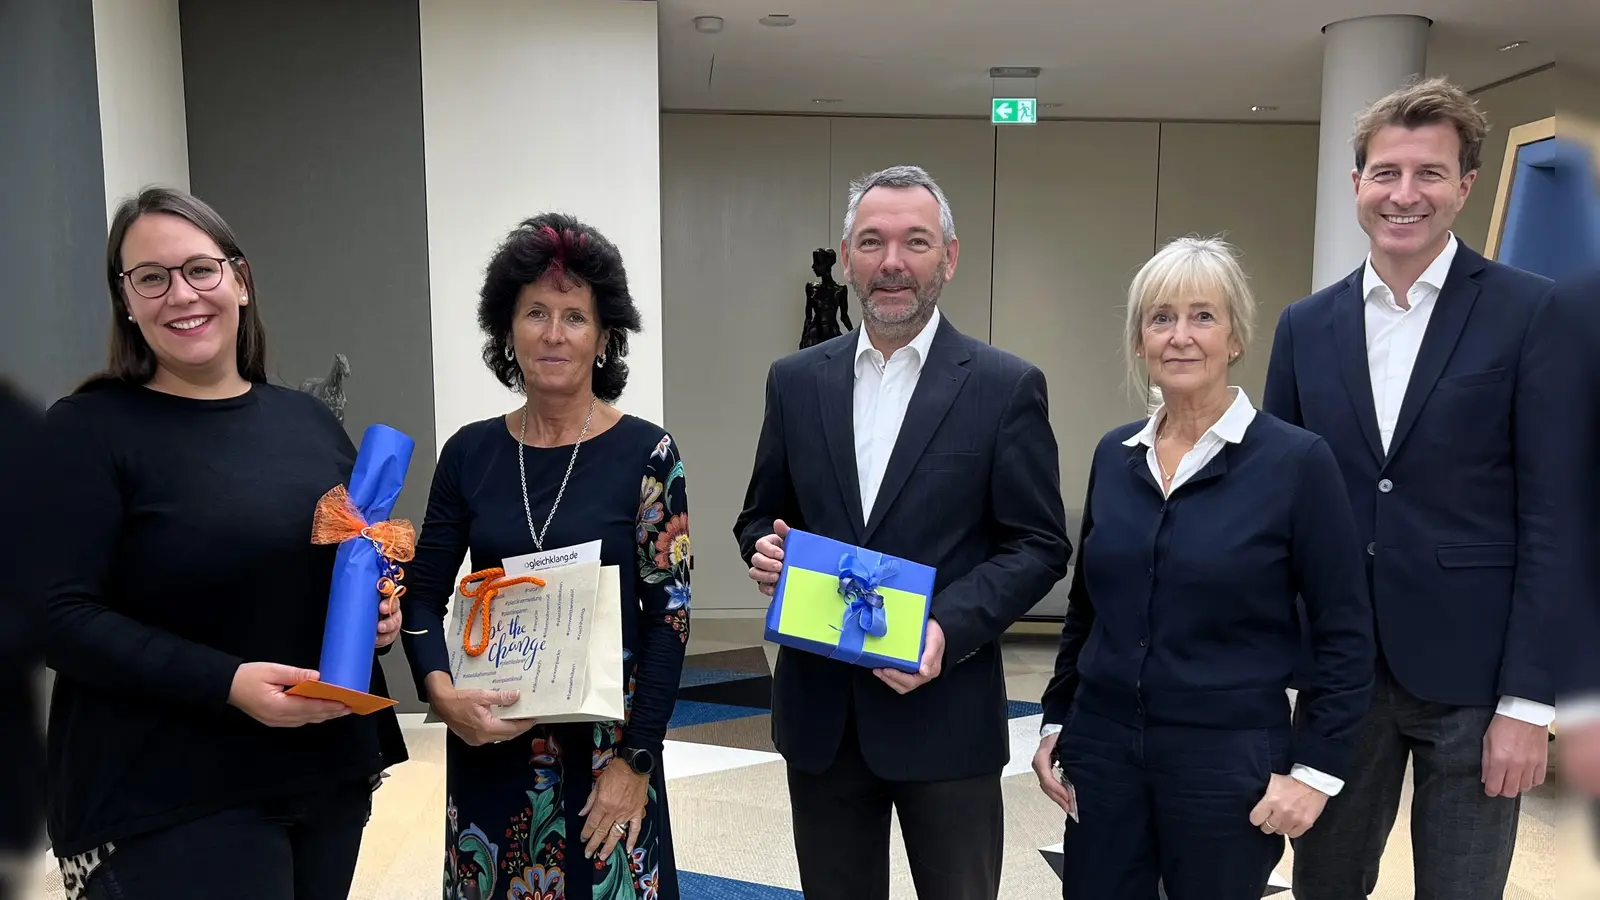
(1461, 838)
(303, 848)
(953, 831)
(1167, 806)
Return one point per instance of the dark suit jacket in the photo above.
(972, 488)
(1576, 627)
(21, 624)
(1459, 518)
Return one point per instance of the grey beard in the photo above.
(908, 328)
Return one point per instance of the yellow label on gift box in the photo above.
(813, 609)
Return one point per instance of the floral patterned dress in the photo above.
(512, 817)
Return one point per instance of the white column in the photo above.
(1363, 60)
(139, 68)
(532, 107)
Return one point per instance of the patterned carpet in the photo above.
(729, 796)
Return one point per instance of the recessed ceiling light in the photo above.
(1513, 45)
(708, 24)
(827, 100)
(1259, 108)
(777, 20)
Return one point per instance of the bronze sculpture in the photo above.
(827, 302)
(330, 390)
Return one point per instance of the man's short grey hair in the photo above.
(898, 177)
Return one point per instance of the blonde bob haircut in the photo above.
(1187, 267)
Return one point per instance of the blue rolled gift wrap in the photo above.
(352, 625)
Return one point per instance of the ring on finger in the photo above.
(619, 827)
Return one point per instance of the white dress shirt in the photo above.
(1394, 334)
(1394, 337)
(883, 390)
(1229, 429)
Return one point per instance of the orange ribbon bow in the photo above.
(337, 520)
(493, 582)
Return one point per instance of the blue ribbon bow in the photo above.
(860, 576)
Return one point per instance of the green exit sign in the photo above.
(1013, 111)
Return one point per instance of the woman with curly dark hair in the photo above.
(561, 810)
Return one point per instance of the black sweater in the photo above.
(1182, 609)
(180, 549)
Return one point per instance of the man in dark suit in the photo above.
(1435, 375)
(912, 439)
(21, 653)
(1576, 628)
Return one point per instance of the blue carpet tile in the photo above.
(695, 712)
(696, 677)
(1020, 708)
(694, 886)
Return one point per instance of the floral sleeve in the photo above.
(662, 535)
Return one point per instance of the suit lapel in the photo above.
(1350, 342)
(836, 379)
(941, 379)
(1451, 311)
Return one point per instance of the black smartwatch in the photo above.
(641, 761)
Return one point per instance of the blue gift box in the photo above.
(850, 603)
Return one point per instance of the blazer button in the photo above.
(1386, 486)
(1372, 549)
(1143, 642)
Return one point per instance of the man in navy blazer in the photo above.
(1434, 374)
(1576, 626)
(908, 438)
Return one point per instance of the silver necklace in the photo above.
(527, 510)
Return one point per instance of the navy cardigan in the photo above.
(1182, 609)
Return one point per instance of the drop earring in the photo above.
(511, 353)
(600, 361)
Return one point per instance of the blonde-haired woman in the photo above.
(1167, 735)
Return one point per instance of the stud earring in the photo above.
(130, 317)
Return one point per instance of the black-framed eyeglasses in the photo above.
(152, 281)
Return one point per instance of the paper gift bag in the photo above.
(554, 635)
(850, 604)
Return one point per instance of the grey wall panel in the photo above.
(53, 319)
(307, 137)
(744, 202)
(1210, 185)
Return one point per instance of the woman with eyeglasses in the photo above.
(184, 596)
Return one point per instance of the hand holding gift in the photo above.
(259, 690)
(469, 713)
(932, 664)
(767, 563)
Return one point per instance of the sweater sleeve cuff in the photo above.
(1319, 754)
(633, 741)
(1316, 780)
(427, 653)
(213, 678)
